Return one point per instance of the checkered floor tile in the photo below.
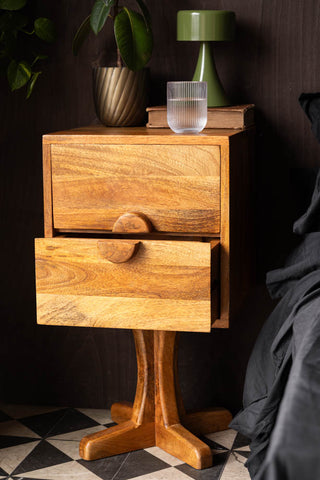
(43, 443)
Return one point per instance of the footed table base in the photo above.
(157, 416)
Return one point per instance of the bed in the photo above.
(281, 401)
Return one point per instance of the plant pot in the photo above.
(120, 95)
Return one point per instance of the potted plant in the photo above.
(24, 39)
(120, 93)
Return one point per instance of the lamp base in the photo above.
(206, 72)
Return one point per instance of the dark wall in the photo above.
(273, 60)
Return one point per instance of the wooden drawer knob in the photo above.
(118, 251)
(132, 223)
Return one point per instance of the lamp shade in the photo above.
(205, 25)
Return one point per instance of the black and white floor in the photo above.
(42, 443)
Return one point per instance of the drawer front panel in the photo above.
(166, 285)
(176, 186)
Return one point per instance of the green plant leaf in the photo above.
(40, 56)
(18, 74)
(32, 82)
(145, 13)
(12, 4)
(44, 29)
(82, 33)
(133, 38)
(99, 14)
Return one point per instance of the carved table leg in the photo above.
(171, 436)
(157, 416)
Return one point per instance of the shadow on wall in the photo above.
(218, 360)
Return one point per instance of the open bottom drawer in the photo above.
(147, 284)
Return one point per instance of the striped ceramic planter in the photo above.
(120, 95)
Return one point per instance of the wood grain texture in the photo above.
(144, 402)
(132, 223)
(121, 312)
(136, 136)
(156, 414)
(181, 443)
(166, 406)
(171, 436)
(47, 190)
(76, 287)
(118, 252)
(225, 235)
(179, 188)
(176, 187)
(122, 438)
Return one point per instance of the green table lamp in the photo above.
(206, 26)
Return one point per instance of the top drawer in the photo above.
(176, 186)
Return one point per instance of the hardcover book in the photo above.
(235, 116)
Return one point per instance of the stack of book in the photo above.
(235, 116)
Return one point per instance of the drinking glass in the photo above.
(187, 106)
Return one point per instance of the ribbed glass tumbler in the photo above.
(187, 106)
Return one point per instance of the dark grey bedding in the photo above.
(281, 403)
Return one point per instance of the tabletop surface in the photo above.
(101, 134)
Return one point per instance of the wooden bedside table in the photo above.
(147, 230)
